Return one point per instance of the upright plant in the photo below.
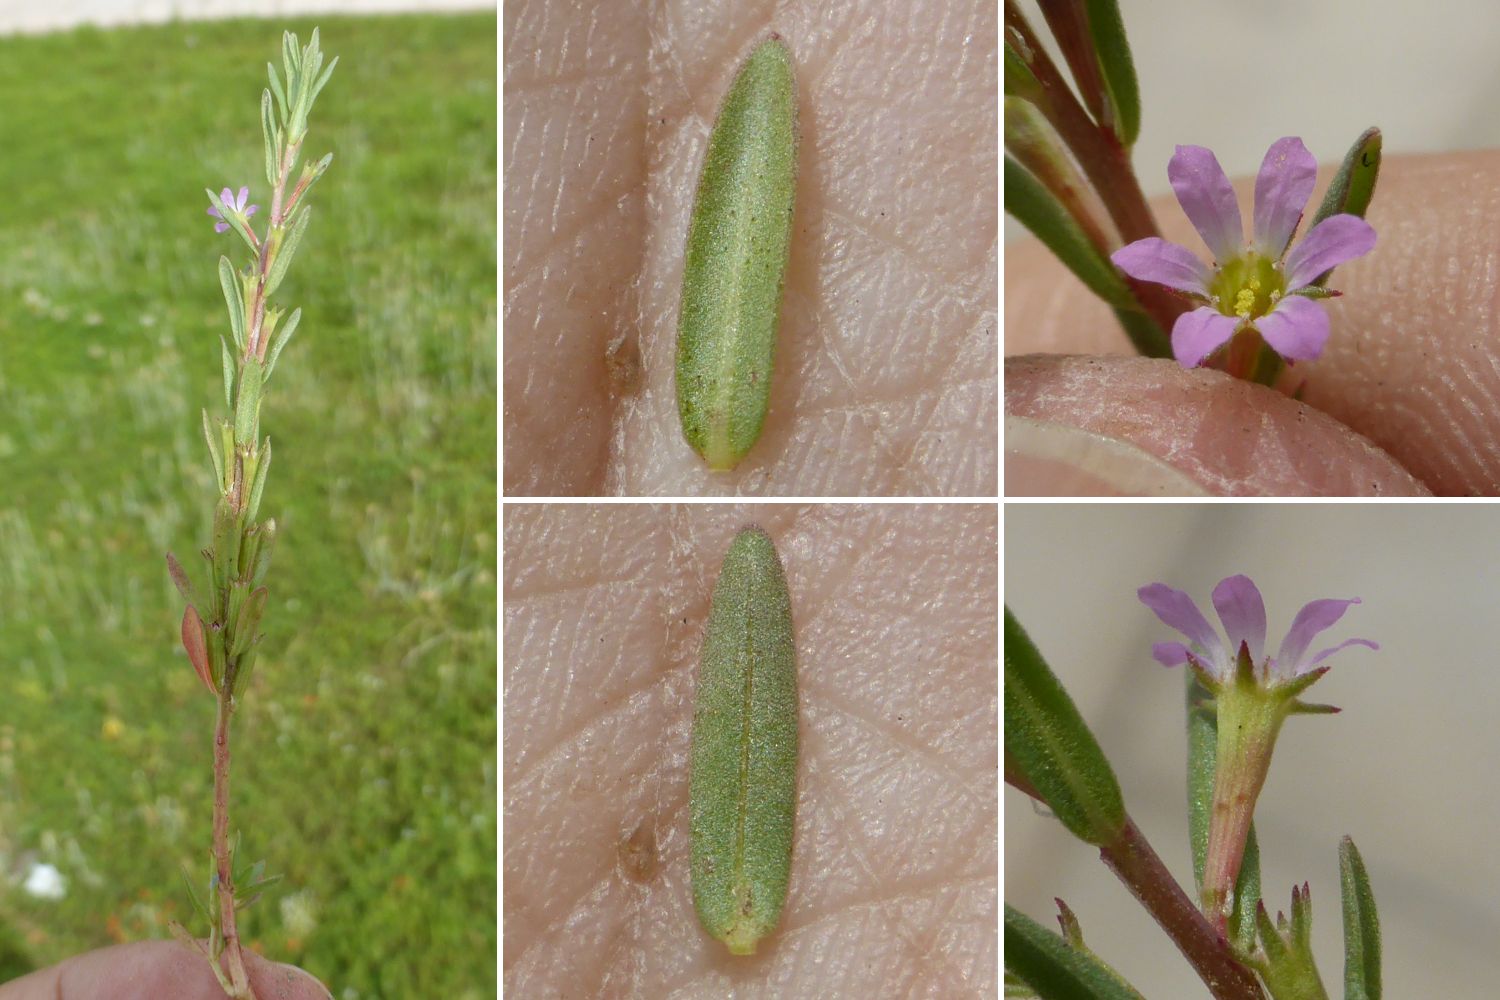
(221, 625)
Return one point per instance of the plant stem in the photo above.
(239, 979)
(255, 345)
(1131, 858)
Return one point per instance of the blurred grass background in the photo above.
(364, 753)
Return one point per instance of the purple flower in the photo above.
(234, 204)
(1244, 616)
(1257, 285)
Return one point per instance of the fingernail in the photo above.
(1045, 459)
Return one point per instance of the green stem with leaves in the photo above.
(223, 647)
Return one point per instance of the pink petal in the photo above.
(1170, 654)
(227, 197)
(1325, 654)
(1315, 617)
(1206, 197)
(1282, 187)
(1199, 333)
(1334, 241)
(1176, 609)
(1243, 613)
(1164, 263)
(1297, 328)
(239, 204)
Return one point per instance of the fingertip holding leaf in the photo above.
(743, 782)
(734, 263)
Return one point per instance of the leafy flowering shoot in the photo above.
(1252, 695)
(1262, 287)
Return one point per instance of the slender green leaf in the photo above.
(247, 405)
(1108, 30)
(1361, 927)
(1054, 969)
(229, 282)
(322, 81)
(278, 341)
(287, 250)
(280, 94)
(1036, 209)
(228, 362)
(1020, 81)
(268, 132)
(212, 438)
(1352, 188)
(1203, 737)
(1051, 746)
(262, 466)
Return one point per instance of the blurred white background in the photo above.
(1235, 77)
(1409, 768)
(24, 16)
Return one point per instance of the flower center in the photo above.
(1248, 286)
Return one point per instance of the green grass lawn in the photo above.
(365, 748)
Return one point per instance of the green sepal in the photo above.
(226, 546)
(213, 449)
(247, 405)
(1051, 747)
(1120, 85)
(235, 220)
(1203, 751)
(245, 665)
(267, 531)
(228, 362)
(1054, 969)
(1286, 962)
(1361, 926)
(269, 133)
(258, 484)
(229, 282)
(279, 340)
(1031, 204)
(247, 621)
(288, 248)
(216, 654)
(1352, 188)
(280, 95)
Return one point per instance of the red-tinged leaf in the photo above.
(196, 645)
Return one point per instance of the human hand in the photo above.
(1403, 401)
(151, 970)
(885, 367)
(893, 886)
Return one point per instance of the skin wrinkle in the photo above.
(1407, 364)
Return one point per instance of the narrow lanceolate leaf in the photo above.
(280, 94)
(1050, 745)
(1036, 208)
(248, 620)
(1054, 969)
(229, 281)
(196, 644)
(1108, 30)
(227, 360)
(1032, 142)
(180, 580)
(247, 405)
(211, 434)
(287, 250)
(735, 260)
(258, 484)
(1353, 186)
(1203, 750)
(1361, 927)
(268, 131)
(742, 789)
(278, 341)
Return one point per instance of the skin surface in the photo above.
(149, 970)
(1412, 364)
(884, 378)
(894, 868)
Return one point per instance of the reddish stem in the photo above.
(223, 864)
